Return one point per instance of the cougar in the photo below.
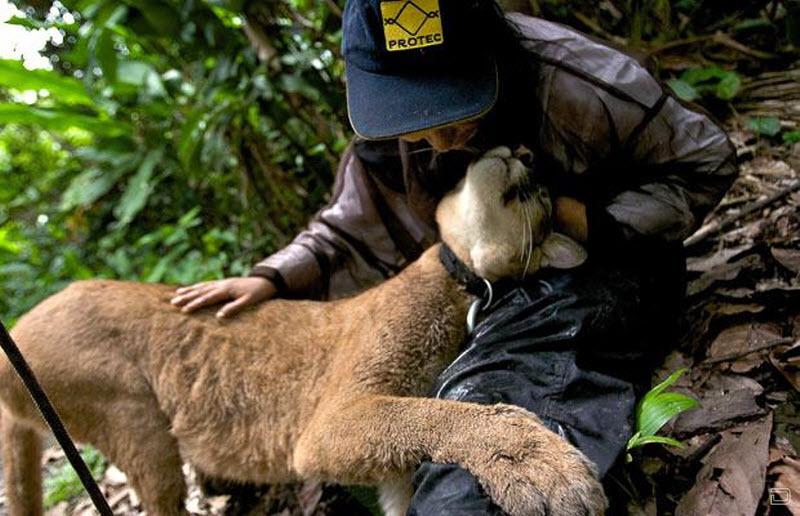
(294, 390)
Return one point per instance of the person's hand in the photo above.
(240, 292)
(570, 218)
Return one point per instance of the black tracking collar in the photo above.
(474, 284)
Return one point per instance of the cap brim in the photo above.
(387, 106)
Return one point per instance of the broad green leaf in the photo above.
(695, 76)
(765, 126)
(724, 84)
(60, 120)
(105, 55)
(193, 133)
(64, 89)
(729, 86)
(658, 410)
(684, 90)
(138, 190)
(91, 184)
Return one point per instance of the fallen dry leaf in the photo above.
(731, 480)
(724, 273)
(721, 257)
(724, 401)
(739, 341)
(789, 258)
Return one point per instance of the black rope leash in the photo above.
(51, 416)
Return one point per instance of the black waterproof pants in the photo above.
(574, 347)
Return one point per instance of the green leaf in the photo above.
(142, 75)
(138, 190)
(695, 76)
(665, 383)
(60, 120)
(193, 133)
(729, 86)
(91, 184)
(684, 90)
(105, 54)
(64, 89)
(724, 84)
(791, 137)
(655, 409)
(770, 126)
(658, 410)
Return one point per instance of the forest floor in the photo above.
(741, 346)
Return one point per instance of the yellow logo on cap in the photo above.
(410, 24)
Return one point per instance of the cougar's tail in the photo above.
(22, 458)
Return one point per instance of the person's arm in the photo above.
(647, 168)
(684, 163)
(345, 247)
(681, 164)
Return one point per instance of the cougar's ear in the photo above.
(561, 252)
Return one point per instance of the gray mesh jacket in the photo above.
(602, 128)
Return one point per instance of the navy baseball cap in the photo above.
(413, 65)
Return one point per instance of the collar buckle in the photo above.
(478, 306)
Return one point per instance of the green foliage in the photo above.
(656, 409)
(63, 484)
(711, 81)
(68, 90)
(160, 147)
(769, 126)
(791, 137)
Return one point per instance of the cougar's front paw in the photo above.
(529, 470)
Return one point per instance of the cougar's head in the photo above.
(498, 221)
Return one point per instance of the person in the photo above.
(430, 83)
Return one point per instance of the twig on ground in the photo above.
(718, 37)
(598, 29)
(716, 225)
(740, 354)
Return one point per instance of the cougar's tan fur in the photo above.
(296, 390)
